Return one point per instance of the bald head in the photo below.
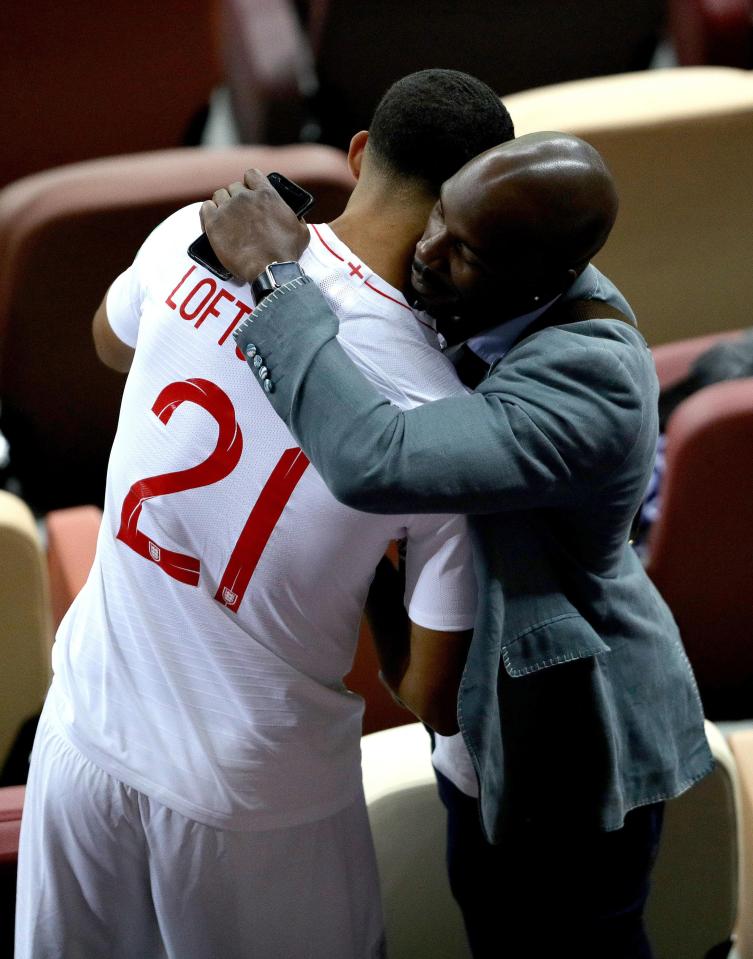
(554, 190)
(513, 229)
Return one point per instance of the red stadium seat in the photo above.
(701, 547)
(716, 32)
(673, 360)
(81, 80)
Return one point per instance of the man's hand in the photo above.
(249, 225)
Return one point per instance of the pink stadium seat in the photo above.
(71, 543)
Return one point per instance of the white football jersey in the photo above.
(203, 662)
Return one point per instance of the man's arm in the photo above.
(421, 667)
(550, 427)
(111, 350)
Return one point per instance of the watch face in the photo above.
(284, 272)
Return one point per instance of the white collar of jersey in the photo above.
(329, 248)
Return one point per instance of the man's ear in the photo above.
(355, 152)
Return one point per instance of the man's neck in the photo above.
(383, 237)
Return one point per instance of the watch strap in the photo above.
(274, 276)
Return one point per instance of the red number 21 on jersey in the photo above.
(219, 464)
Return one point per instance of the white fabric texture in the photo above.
(108, 873)
(218, 697)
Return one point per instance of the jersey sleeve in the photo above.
(124, 300)
(128, 291)
(440, 584)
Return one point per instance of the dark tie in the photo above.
(469, 366)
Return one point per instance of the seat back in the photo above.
(700, 552)
(408, 822)
(678, 142)
(693, 904)
(25, 626)
(64, 236)
(580, 39)
(693, 901)
(319, 66)
(71, 544)
(674, 360)
(82, 84)
(712, 31)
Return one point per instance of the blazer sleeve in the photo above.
(558, 417)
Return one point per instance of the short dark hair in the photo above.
(430, 123)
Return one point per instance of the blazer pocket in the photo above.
(561, 639)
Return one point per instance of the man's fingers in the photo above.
(254, 178)
(207, 212)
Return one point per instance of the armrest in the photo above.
(11, 806)
(71, 544)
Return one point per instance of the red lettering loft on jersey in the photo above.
(198, 301)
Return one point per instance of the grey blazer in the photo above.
(577, 702)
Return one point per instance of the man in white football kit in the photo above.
(195, 787)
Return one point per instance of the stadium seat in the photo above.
(674, 360)
(64, 236)
(678, 142)
(25, 634)
(700, 552)
(408, 823)
(71, 543)
(712, 31)
(695, 895)
(25, 623)
(80, 84)
(312, 74)
(694, 899)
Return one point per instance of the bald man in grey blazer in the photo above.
(577, 708)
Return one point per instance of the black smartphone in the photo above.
(298, 199)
